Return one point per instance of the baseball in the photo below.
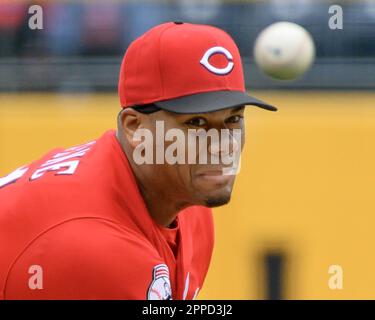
(284, 50)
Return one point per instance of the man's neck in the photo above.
(162, 207)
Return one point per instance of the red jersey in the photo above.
(73, 225)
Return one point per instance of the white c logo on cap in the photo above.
(204, 61)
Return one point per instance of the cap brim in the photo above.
(211, 101)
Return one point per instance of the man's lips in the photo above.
(214, 176)
(211, 173)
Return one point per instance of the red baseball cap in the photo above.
(184, 68)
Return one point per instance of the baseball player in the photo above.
(90, 222)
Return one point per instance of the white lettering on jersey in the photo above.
(76, 148)
(59, 162)
(73, 155)
(13, 176)
(70, 165)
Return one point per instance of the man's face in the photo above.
(193, 181)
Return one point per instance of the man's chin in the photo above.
(213, 193)
(217, 201)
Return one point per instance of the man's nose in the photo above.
(224, 146)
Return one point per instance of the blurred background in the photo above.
(304, 200)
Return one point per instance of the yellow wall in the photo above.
(305, 187)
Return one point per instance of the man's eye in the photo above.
(234, 119)
(197, 122)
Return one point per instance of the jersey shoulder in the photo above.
(84, 259)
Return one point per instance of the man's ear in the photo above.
(130, 120)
